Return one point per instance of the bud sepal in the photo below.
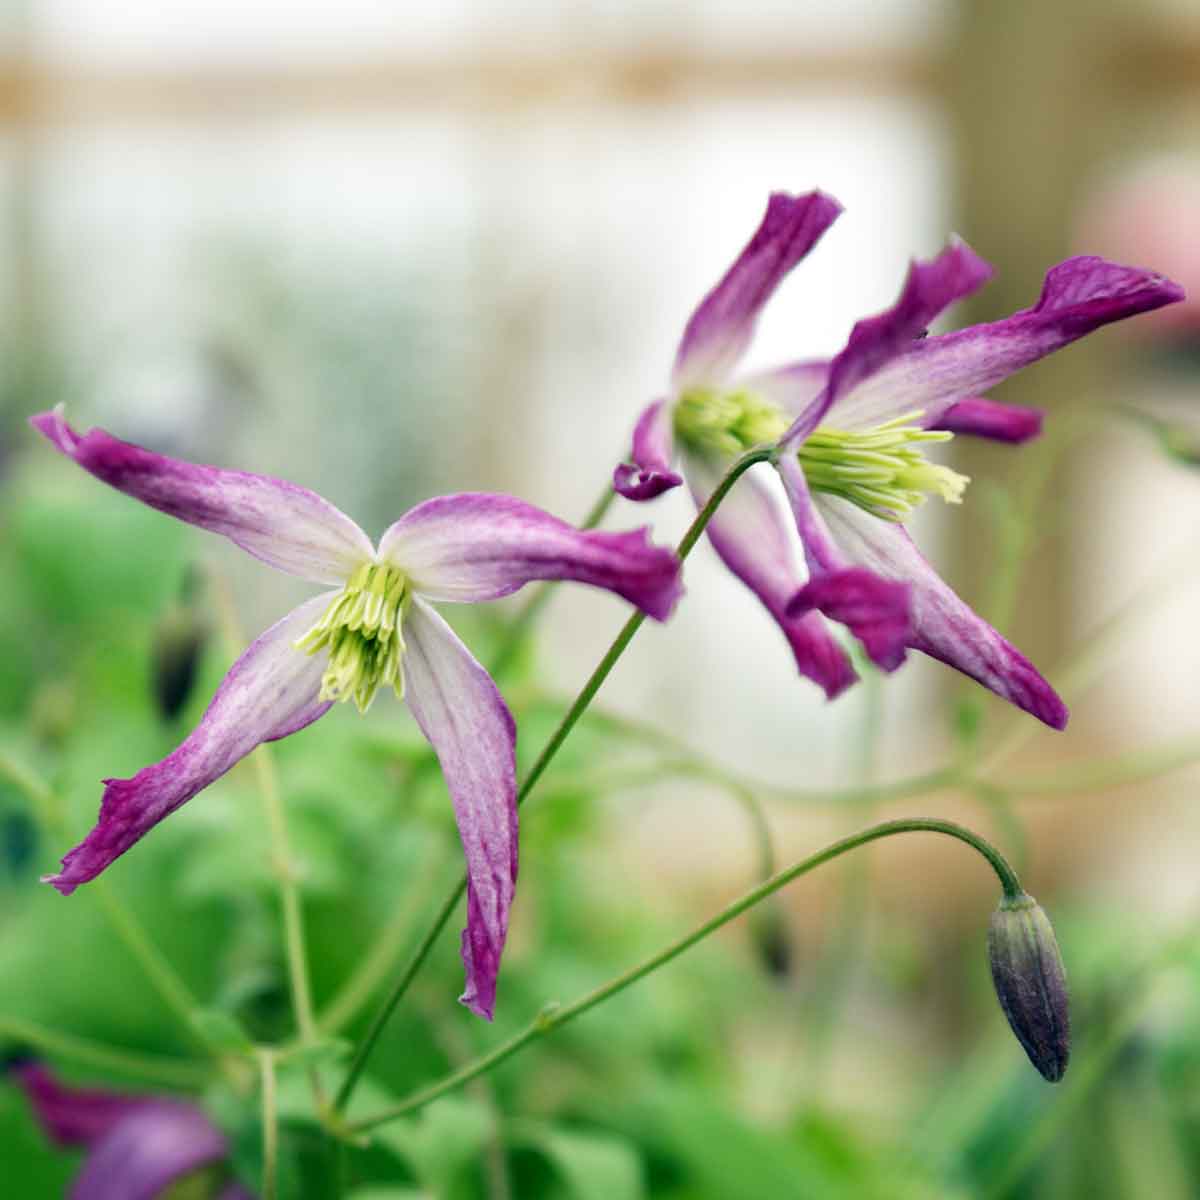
(1031, 983)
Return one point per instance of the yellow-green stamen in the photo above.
(727, 422)
(882, 470)
(362, 629)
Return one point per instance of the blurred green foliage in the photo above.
(661, 1093)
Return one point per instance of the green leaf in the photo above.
(222, 1030)
(593, 1167)
(441, 1142)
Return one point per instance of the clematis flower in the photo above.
(377, 628)
(137, 1146)
(851, 435)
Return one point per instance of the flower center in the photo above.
(362, 630)
(883, 470)
(727, 422)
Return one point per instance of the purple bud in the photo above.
(1031, 984)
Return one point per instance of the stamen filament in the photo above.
(362, 630)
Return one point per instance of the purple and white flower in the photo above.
(375, 628)
(137, 1146)
(850, 434)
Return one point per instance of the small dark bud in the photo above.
(179, 641)
(771, 940)
(1031, 984)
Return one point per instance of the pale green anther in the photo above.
(883, 470)
(727, 422)
(362, 629)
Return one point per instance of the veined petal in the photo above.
(161, 1142)
(70, 1116)
(748, 533)
(984, 418)
(475, 546)
(929, 288)
(720, 329)
(269, 693)
(876, 609)
(287, 526)
(461, 712)
(648, 472)
(1079, 296)
(943, 626)
(792, 387)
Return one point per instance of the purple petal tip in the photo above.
(635, 483)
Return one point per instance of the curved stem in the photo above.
(553, 1016)
(560, 735)
(174, 1073)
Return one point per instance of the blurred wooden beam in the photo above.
(45, 93)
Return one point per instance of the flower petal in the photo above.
(287, 526)
(161, 1142)
(648, 472)
(1079, 296)
(984, 418)
(943, 626)
(929, 288)
(461, 712)
(721, 327)
(475, 546)
(792, 387)
(876, 609)
(70, 1116)
(269, 693)
(747, 531)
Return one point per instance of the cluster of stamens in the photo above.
(882, 470)
(362, 629)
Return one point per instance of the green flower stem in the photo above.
(529, 612)
(171, 1072)
(270, 1123)
(282, 862)
(560, 735)
(171, 989)
(289, 895)
(553, 1016)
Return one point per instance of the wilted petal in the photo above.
(461, 712)
(648, 472)
(476, 546)
(721, 327)
(943, 626)
(983, 418)
(158, 1144)
(1079, 295)
(929, 288)
(70, 1116)
(748, 532)
(287, 526)
(270, 692)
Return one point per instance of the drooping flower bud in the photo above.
(1031, 984)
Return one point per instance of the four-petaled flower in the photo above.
(377, 628)
(850, 434)
(137, 1146)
